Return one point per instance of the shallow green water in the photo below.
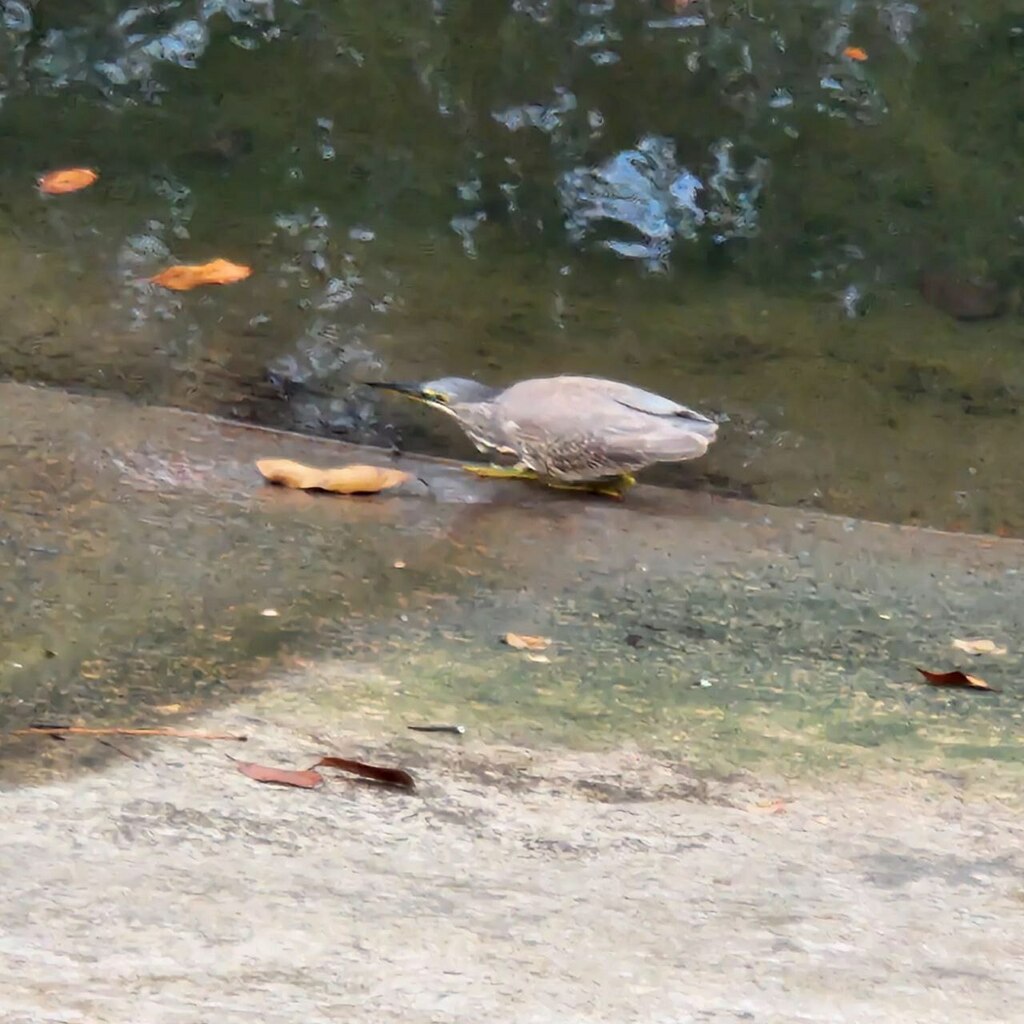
(714, 201)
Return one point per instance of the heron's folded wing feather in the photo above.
(671, 441)
(665, 409)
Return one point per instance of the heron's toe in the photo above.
(502, 472)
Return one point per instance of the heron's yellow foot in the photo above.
(615, 487)
(502, 472)
(618, 487)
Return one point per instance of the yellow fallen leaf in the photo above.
(290, 474)
(343, 480)
(361, 479)
(185, 277)
(527, 643)
(978, 647)
(71, 179)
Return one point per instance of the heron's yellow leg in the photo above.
(502, 472)
(616, 487)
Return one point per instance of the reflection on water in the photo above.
(732, 202)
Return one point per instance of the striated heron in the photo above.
(583, 433)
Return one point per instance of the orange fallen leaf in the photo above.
(185, 277)
(280, 776)
(388, 776)
(361, 479)
(956, 678)
(526, 643)
(71, 179)
(344, 480)
(855, 53)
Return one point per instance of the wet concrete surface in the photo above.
(723, 797)
(144, 550)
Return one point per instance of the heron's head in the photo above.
(442, 393)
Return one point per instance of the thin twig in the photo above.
(81, 730)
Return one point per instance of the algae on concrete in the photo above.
(146, 548)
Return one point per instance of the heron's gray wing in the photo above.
(596, 390)
(656, 405)
(647, 428)
(693, 421)
(584, 427)
(651, 440)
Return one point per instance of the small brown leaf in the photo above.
(281, 776)
(956, 678)
(978, 646)
(71, 179)
(521, 642)
(777, 806)
(188, 276)
(388, 776)
(344, 480)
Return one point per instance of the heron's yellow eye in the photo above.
(435, 396)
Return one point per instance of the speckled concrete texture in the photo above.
(724, 796)
(514, 885)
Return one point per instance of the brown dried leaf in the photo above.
(188, 276)
(344, 480)
(388, 776)
(978, 646)
(956, 678)
(777, 806)
(521, 642)
(281, 776)
(71, 179)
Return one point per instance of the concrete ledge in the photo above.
(723, 798)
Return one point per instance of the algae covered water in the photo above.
(805, 218)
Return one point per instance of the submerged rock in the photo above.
(962, 297)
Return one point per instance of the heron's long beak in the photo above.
(409, 390)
